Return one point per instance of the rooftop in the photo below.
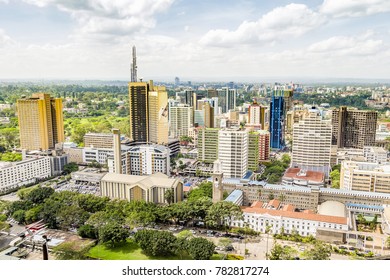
(157, 179)
(287, 213)
(234, 195)
(297, 173)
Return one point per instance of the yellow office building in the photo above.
(41, 122)
(148, 113)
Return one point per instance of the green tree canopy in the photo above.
(200, 248)
(112, 233)
(156, 243)
(205, 189)
(278, 252)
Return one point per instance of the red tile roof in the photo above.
(296, 215)
(314, 176)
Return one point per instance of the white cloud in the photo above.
(109, 17)
(282, 22)
(5, 40)
(345, 46)
(4, 1)
(354, 8)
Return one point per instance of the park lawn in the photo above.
(128, 251)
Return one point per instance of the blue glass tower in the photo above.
(276, 126)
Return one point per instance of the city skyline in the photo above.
(50, 39)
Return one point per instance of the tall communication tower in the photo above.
(133, 69)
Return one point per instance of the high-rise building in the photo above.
(208, 144)
(41, 123)
(208, 115)
(233, 152)
(256, 115)
(139, 111)
(177, 81)
(276, 123)
(258, 148)
(227, 99)
(148, 113)
(353, 128)
(158, 115)
(98, 140)
(180, 120)
(253, 151)
(312, 138)
(263, 145)
(212, 93)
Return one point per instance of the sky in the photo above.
(194, 40)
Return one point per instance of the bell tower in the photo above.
(217, 181)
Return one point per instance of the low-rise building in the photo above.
(28, 171)
(150, 188)
(303, 178)
(365, 176)
(280, 218)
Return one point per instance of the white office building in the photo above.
(180, 120)
(233, 152)
(15, 174)
(312, 140)
(144, 160)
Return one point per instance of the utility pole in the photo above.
(44, 248)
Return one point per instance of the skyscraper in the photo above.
(312, 138)
(208, 114)
(233, 152)
(139, 113)
(276, 124)
(158, 114)
(180, 120)
(41, 123)
(208, 145)
(256, 115)
(148, 113)
(227, 99)
(353, 128)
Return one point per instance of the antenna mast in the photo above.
(133, 69)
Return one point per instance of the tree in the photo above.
(112, 233)
(70, 167)
(169, 196)
(278, 252)
(71, 217)
(335, 176)
(92, 203)
(388, 242)
(87, 231)
(32, 215)
(200, 248)
(204, 189)
(224, 243)
(318, 251)
(40, 194)
(156, 243)
(71, 251)
(19, 216)
(222, 213)
(185, 234)
(286, 159)
(23, 193)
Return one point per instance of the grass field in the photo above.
(128, 251)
